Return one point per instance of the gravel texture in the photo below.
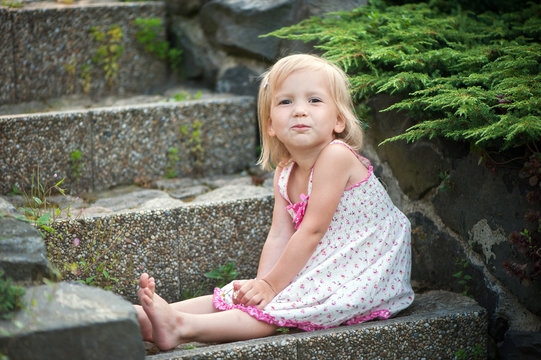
(48, 58)
(127, 144)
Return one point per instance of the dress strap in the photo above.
(310, 182)
(337, 141)
(362, 159)
(283, 180)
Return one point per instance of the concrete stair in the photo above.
(59, 320)
(177, 242)
(438, 325)
(125, 144)
(216, 211)
(49, 49)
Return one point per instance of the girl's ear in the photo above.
(270, 130)
(340, 125)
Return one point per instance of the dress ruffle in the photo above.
(220, 304)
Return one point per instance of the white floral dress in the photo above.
(359, 271)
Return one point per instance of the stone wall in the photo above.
(221, 38)
(460, 222)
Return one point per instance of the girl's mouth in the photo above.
(300, 126)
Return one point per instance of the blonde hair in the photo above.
(273, 152)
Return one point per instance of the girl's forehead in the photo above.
(312, 76)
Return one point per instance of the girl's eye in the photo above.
(284, 102)
(314, 100)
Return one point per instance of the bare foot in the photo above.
(142, 317)
(144, 323)
(145, 282)
(167, 324)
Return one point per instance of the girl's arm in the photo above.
(332, 171)
(279, 233)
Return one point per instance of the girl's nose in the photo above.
(299, 111)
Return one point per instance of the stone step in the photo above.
(23, 256)
(438, 325)
(128, 143)
(71, 321)
(177, 231)
(49, 49)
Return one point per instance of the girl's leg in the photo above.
(198, 305)
(171, 327)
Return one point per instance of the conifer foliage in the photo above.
(465, 76)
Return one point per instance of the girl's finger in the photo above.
(254, 301)
(244, 295)
(261, 305)
(238, 284)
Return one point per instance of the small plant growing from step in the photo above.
(224, 274)
(13, 4)
(172, 160)
(184, 95)
(71, 69)
(76, 165)
(190, 293)
(475, 352)
(195, 143)
(98, 252)
(11, 297)
(37, 209)
(109, 50)
(86, 78)
(149, 36)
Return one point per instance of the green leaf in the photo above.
(48, 229)
(44, 219)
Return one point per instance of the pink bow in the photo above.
(299, 209)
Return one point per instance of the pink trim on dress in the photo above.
(220, 304)
(370, 171)
(363, 161)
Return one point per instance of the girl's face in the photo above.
(303, 113)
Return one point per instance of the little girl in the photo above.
(338, 250)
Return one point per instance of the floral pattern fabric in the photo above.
(359, 271)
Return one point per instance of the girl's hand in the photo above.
(255, 292)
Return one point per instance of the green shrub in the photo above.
(464, 76)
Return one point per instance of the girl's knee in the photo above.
(259, 327)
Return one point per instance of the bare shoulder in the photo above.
(337, 154)
(338, 159)
(277, 195)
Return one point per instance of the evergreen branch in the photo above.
(470, 77)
